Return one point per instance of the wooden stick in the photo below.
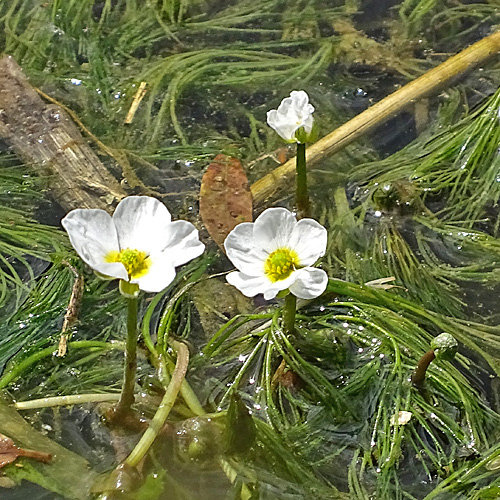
(44, 136)
(430, 82)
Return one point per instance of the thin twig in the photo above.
(71, 316)
(139, 95)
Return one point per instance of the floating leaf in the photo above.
(9, 452)
(225, 198)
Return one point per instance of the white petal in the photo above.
(310, 283)
(248, 285)
(308, 123)
(282, 124)
(300, 100)
(159, 276)
(274, 288)
(93, 235)
(241, 250)
(180, 241)
(308, 239)
(273, 229)
(139, 221)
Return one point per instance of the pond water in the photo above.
(104, 99)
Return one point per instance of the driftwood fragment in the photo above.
(44, 136)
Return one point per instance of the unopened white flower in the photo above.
(138, 244)
(276, 253)
(292, 114)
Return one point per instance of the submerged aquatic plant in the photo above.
(360, 347)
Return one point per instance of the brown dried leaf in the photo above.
(225, 198)
(9, 452)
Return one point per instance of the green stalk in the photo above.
(187, 393)
(72, 399)
(289, 314)
(127, 394)
(301, 193)
(163, 411)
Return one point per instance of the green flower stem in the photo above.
(156, 424)
(191, 399)
(73, 399)
(18, 369)
(289, 313)
(301, 193)
(418, 376)
(127, 394)
(146, 324)
(187, 393)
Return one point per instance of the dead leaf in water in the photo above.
(225, 198)
(9, 452)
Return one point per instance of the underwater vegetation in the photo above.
(265, 397)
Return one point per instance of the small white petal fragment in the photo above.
(401, 418)
(139, 244)
(275, 253)
(493, 464)
(382, 283)
(292, 114)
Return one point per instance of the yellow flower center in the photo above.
(136, 263)
(280, 264)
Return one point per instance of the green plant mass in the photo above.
(370, 370)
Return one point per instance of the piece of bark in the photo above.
(44, 136)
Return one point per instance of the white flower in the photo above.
(292, 114)
(276, 253)
(138, 244)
